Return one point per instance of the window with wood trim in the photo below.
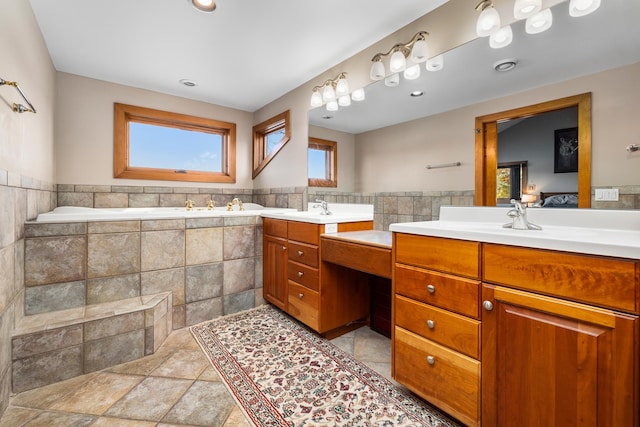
(160, 145)
(268, 138)
(511, 181)
(323, 163)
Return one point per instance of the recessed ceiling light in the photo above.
(505, 65)
(206, 6)
(416, 93)
(188, 82)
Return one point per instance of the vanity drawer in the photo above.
(446, 255)
(441, 290)
(442, 376)
(304, 305)
(444, 327)
(304, 275)
(602, 281)
(274, 227)
(304, 232)
(304, 254)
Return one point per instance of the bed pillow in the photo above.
(561, 200)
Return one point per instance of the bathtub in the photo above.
(75, 214)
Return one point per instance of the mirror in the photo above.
(468, 76)
(487, 146)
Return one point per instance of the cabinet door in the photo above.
(275, 271)
(549, 362)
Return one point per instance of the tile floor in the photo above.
(176, 386)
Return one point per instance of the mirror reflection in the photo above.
(469, 77)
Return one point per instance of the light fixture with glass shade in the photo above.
(415, 50)
(501, 38)
(489, 19)
(436, 63)
(334, 93)
(539, 22)
(522, 9)
(392, 80)
(412, 71)
(207, 6)
(579, 8)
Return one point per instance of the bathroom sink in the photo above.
(340, 213)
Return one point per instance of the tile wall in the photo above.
(21, 199)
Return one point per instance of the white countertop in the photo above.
(589, 231)
(340, 212)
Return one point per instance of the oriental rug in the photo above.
(282, 374)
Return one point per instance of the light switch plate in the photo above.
(607, 194)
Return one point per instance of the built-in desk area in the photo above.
(368, 252)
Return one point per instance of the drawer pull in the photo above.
(300, 253)
(300, 295)
(488, 305)
(431, 324)
(431, 360)
(300, 274)
(431, 289)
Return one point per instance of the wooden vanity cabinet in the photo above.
(548, 338)
(275, 257)
(296, 280)
(548, 357)
(436, 334)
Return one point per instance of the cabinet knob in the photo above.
(284, 248)
(431, 324)
(488, 305)
(431, 289)
(300, 295)
(300, 253)
(431, 360)
(300, 274)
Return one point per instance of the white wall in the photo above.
(26, 140)
(84, 130)
(395, 158)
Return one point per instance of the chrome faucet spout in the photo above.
(324, 206)
(519, 217)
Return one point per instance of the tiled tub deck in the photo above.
(102, 293)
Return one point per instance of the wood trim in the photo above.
(486, 146)
(331, 148)
(260, 158)
(123, 114)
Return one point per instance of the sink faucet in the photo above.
(519, 217)
(234, 202)
(324, 205)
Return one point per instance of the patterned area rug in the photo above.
(282, 374)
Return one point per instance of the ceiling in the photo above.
(244, 55)
(572, 47)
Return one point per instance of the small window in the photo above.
(159, 145)
(268, 138)
(510, 180)
(323, 163)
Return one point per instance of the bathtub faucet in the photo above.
(234, 202)
(211, 204)
(189, 204)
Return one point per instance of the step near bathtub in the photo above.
(340, 213)
(76, 214)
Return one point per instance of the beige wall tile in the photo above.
(201, 311)
(113, 254)
(46, 368)
(53, 229)
(203, 281)
(153, 282)
(163, 224)
(162, 249)
(204, 245)
(111, 200)
(54, 297)
(7, 216)
(143, 200)
(238, 275)
(113, 227)
(75, 199)
(110, 351)
(239, 242)
(7, 276)
(55, 259)
(112, 288)
(42, 342)
(115, 325)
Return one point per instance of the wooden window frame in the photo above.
(331, 148)
(523, 175)
(124, 114)
(260, 131)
